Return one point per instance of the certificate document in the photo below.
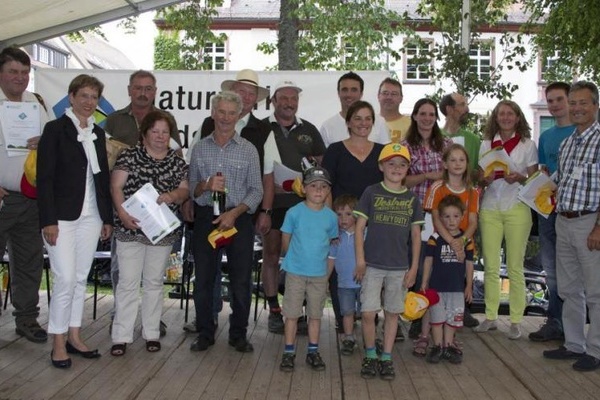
(156, 220)
(20, 121)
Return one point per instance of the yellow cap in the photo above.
(391, 150)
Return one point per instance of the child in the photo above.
(307, 231)
(445, 273)
(342, 257)
(395, 216)
(455, 180)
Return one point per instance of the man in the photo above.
(350, 89)
(257, 132)
(578, 231)
(389, 97)
(296, 138)
(123, 125)
(224, 162)
(549, 143)
(456, 110)
(19, 219)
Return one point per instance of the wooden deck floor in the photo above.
(494, 367)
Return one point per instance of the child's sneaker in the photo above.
(386, 370)
(434, 354)
(287, 362)
(452, 354)
(368, 369)
(348, 347)
(315, 361)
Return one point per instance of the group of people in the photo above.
(388, 203)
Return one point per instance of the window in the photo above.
(546, 123)
(480, 55)
(552, 69)
(50, 56)
(418, 62)
(214, 56)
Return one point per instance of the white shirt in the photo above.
(501, 195)
(335, 130)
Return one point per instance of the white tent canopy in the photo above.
(27, 21)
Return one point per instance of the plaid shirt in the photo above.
(238, 161)
(579, 171)
(424, 160)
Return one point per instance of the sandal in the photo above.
(420, 346)
(152, 346)
(118, 349)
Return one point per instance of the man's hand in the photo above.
(263, 223)
(410, 277)
(106, 231)
(593, 239)
(225, 221)
(359, 271)
(32, 143)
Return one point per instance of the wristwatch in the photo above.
(267, 211)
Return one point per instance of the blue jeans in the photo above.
(547, 234)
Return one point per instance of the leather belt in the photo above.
(575, 214)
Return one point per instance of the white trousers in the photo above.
(146, 264)
(70, 261)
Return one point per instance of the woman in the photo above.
(352, 163)
(426, 145)
(503, 215)
(75, 209)
(151, 161)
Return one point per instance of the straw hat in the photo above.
(249, 77)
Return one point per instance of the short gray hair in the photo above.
(229, 96)
(579, 85)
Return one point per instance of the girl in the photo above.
(455, 180)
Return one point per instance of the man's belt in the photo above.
(575, 214)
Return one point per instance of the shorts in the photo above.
(349, 300)
(392, 283)
(300, 287)
(449, 310)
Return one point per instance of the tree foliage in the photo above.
(569, 30)
(192, 21)
(452, 61)
(333, 36)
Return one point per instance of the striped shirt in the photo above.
(579, 171)
(237, 161)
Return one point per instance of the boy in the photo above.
(342, 257)
(395, 216)
(443, 272)
(307, 231)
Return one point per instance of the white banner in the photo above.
(186, 94)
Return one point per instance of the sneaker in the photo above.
(486, 325)
(562, 354)
(201, 343)
(348, 346)
(191, 327)
(469, 320)
(586, 363)
(514, 332)
(452, 354)
(315, 361)
(434, 355)
(399, 334)
(386, 370)
(550, 330)
(287, 362)
(368, 369)
(276, 324)
(415, 329)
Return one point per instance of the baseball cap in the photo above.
(391, 150)
(286, 84)
(316, 174)
(415, 306)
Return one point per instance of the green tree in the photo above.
(452, 61)
(568, 33)
(333, 36)
(191, 23)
